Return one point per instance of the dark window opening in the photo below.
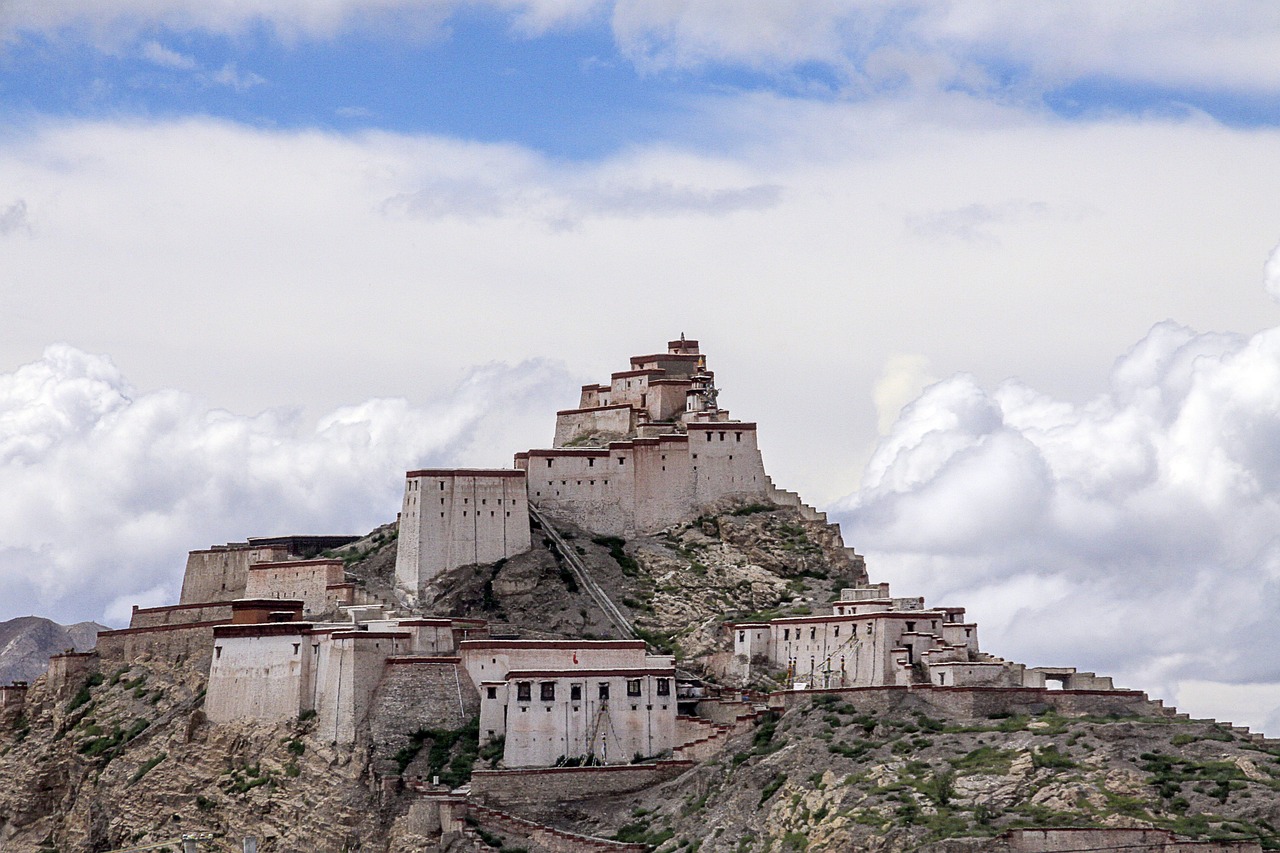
(664, 687)
(604, 690)
(547, 691)
(575, 692)
(633, 687)
(524, 691)
(492, 692)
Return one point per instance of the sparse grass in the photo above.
(147, 767)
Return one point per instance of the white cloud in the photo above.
(1133, 533)
(107, 487)
(241, 81)
(978, 45)
(160, 55)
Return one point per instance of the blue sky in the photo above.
(992, 277)
(569, 91)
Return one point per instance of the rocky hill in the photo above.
(834, 774)
(126, 757)
(27, 642)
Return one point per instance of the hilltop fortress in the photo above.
(650, 449)
(649, 462)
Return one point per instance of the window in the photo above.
(786, 633)
(295, 647)
(217, 651)
(491, 692)
(837, 631)
(737, 436)
(524, 691)
(547, 691)
(604, 691)
(813, 633)
(442, 485)
(722, 436)
(622, 461)
(868, 627)
(591, 463)
(575, 692)
(742, 636)
(911, 626)
(548, 463)
(708, 436)
(633, 687)
(664, 687)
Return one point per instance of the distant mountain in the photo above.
(27, 642)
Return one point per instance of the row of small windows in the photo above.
(547, 690)
(492, 514)
(737, 436)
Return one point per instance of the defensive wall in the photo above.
(420, 693)
(545, 788)
(646, 484)
(1072, 840)
(179, 614)
(311, 581)
(980, 702)
(221, 573)
(459, 517)
(186, 644)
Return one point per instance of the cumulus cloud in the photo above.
(106, 487)
(1134, 533)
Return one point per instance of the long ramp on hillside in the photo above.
(583, 575)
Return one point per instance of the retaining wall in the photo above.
(549, 786)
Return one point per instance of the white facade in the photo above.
(558, 700)
(871, 639)
(459, 517)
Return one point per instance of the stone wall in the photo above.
(545, 788)
(420, 693)
(69, 670)
(188, 645)
(220, 573)
(305, 580)
(179, 614)
(980, 702)
(1129, 840)
(617, 420)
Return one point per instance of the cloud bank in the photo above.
(976, 45)
(107, 487)
(1137, 533)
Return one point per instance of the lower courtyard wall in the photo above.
(546, 788)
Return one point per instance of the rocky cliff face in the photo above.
(26, 643)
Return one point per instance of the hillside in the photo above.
(127, 757)
(27, 642)
(836, 774)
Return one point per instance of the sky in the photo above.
(995, 278)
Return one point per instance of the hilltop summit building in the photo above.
(650, 449)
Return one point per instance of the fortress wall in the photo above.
(619, 419)
(305, 580)
(547, 787)
(591, 488)
(68, 671)
(188, 644)
(460, 517)
(258, 672)
(663, 482)
(632, 386)
(179, 614)
(220, 574)
(980, 702)
(726, 462)
(350, 666)
(420, 693)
